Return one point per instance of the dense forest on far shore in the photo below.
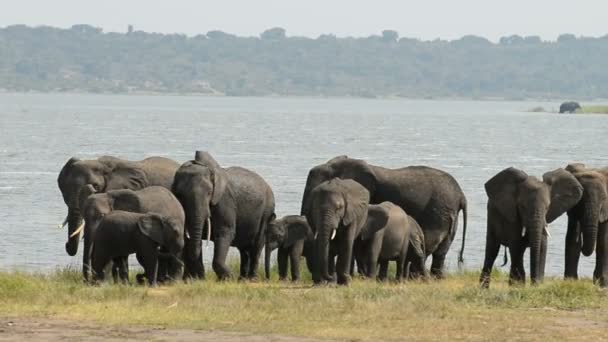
(84, 58)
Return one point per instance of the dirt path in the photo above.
(54, 330)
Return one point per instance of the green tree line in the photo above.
(84, 58)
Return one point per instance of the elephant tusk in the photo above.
(546, 230)
(208, 230)
(523, 232)
(60, 226)
(333, 234)
(315, 237)
(78, 230)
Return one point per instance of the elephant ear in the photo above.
(377, 218)
(84, 193)
(358, 170)
(566, 191)
(218, 175)
(575, 167)
(126, 200)
(151, 225)
(65, 171)
(297, 230)
(356, 199)
(336, 159)
(502, 191)
(417, 238)
(126, 177)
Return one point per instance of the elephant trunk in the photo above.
(589, 229)
(195, 229)
(535, 235)
(74, 222)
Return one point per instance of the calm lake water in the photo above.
(281, 139)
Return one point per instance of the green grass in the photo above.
(366, 310)
(597, 109)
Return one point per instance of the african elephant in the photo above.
(588, 223)
(288, 234)
(237, 205)
(569, 107)
(388, 234)
(519, 209)
(105, 174)
(337, 213)
(155, 199)
(432, 197)
(121, 233)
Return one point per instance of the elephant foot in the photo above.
(344, 280)
(140, 279)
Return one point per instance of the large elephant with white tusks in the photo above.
(519, 209)
(337, 213)
(104, 174)
(230, 206)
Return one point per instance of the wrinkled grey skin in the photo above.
(432, 197)
(569, 107)
(340, 206)
(588, 223)
(154, 199)
(105, 174)
(240, 205)
(389, 234)
(121, 233)
(288, 234)
(519, 209)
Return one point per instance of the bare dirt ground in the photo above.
(34, 329)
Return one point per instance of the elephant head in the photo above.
(377, 218)
(199, 184)
(593, 206)
(531, 204)
(338, 210)
(165, 231)
(339, 167)
(285, 232)
(96, 205)
(92, 176)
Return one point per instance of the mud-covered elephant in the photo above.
(588, 223)
(287, 234)
(432, 197)
(230, 206)
(519, 208)
(155, 199)
(388, 235)
(121, 233)
(105, 174)
(337, 213)
(569, 107)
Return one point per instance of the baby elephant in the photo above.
(389, 234)
(289, 235)
(122, 233)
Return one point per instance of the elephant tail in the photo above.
(505, 259)
(463, 207)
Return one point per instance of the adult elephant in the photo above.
(519, 209)
(237, 206)
(588, 223)
(431, 196)
(569, 107)
(153, 199)
(105, 174)
(337, 214)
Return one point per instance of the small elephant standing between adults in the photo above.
(431, 196)
(232, 206)
(289, 235)
(154, 199)
(389, 234)
(121, 233)
(519, 209)
(569, 107)
(102, 175)
(588, 223)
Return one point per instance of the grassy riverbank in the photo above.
(454, 308)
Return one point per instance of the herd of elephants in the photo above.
(353, 213)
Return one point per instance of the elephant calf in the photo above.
(387, 235)
(289, 234)
(122, 233)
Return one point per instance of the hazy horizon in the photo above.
(426, 21)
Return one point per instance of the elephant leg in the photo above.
(175, 267)
(220, 251)
(123, 268)
(282, 256)
(492, 248)
(254, 262)
(401, 263)
(86, 256)
(147, 255)
(600, 274)
(439, 258)
(294, 258)
(372, 256)
(345, 254)
(383, 271)
(99, 262)
(518, 273)
(245, 258)
(573, 248)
